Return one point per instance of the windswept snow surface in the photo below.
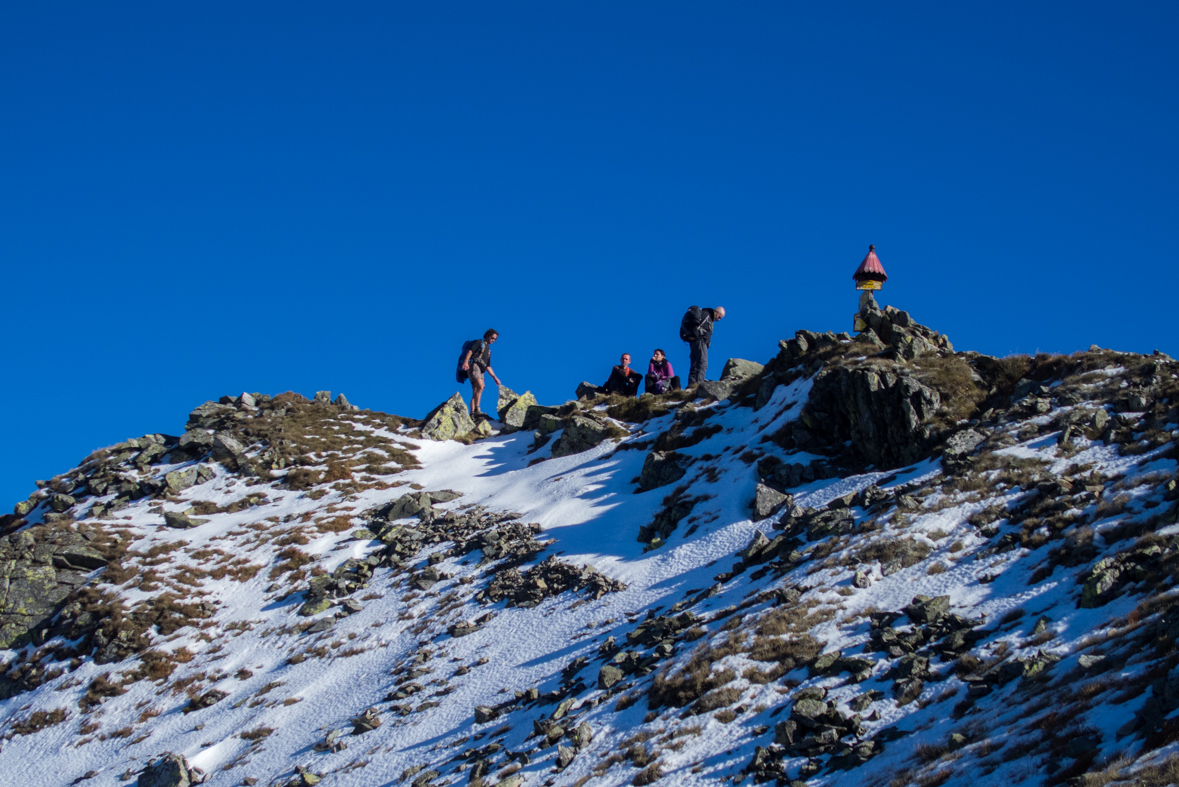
(589, 506)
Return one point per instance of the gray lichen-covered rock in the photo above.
(179, 480)
(513, 410)
(181, 520)
(315, 606)
(78, 558)
(1100, 583)
(586, 390)
(738, 370)
(958, 447)
(170, 770)
(661, 468)
(536, 412)
(196, 441)
(581, 434)
(758, 544)
(768, 501)
(714, 389)
(608, 676)
(549, 423)
(227, 449)
(448, 420)
(31, 594)
(410, 505)
(61, 503)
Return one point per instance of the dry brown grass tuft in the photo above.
(38, 721)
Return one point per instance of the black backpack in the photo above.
(691, 322)
(460, 373)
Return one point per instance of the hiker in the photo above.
(476, 362)
(660, 376)
(623, 379)
(696, 330)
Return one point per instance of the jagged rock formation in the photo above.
(286, 595)
(449, 420)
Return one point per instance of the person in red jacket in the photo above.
(623, 379)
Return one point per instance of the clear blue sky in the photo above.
(203, 198)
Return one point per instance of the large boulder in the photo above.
(586, 390)
(32, 595)
(958, 447)
(448, 420)
(581, 434)
(548, 423)
(536, 412)
(227, 449)
(714, 389)
(768, 501)
(661, 468)
(513, 410)
(738, 370)
(170, 770)
(179, 480)
(196, 442)
(410, 505)
(181, 520)
(60, 502)
(885, 414)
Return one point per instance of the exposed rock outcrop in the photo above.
(513, 410)
(886, 414)
(448, 420)
(583, 433)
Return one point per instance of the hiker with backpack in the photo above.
(623, 380)
(696, 330)
(660, 376)
(474, 363)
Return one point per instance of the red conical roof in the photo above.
(870, 269)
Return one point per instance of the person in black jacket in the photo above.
(623, 379)
(696, 330)
(476, 362)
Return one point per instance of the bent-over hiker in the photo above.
(660, 376)
(476, 361)
(696, 330)
(623, 380)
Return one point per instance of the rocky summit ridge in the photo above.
(871, 560)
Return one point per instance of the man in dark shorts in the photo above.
(476, 363)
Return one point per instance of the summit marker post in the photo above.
(869, 277)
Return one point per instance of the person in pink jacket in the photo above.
(660, 376)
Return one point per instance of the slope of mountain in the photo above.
(871, 561)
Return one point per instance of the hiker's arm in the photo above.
(467, 361)
(493, 377)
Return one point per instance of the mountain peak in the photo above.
(871, 559)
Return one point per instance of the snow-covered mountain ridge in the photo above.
(871, 561)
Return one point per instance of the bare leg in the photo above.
(477, 386)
